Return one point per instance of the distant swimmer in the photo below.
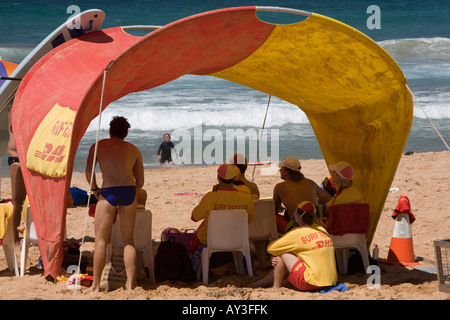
(165, 150)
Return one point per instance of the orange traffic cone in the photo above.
(401, 250)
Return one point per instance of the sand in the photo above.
(424, 178)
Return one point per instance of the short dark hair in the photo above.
(118, 127)
(226, 181)
(241, 167)
(307, 217)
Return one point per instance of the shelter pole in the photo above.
(108, 67)
(10, 78)
(260, 137)
(420, 106)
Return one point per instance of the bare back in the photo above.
(290, 193)
(120, 163)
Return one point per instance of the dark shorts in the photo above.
(119, 196)
(162, 160)
(12, 160)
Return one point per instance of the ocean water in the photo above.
(416, 34)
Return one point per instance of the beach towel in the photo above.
(348, 218)
(6, 213)
(79, 196)
(341, 287)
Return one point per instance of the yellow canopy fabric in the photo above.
(352, 91)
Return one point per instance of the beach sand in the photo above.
(424, 178)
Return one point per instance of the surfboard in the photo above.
(85, 22)
(259, 163)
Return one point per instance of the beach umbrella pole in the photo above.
(108, 67)
(260, 137)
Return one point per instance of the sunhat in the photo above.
(343, 169)
(290, 163)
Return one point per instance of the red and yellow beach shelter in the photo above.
(352, 91)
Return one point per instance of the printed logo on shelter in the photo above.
(49, 147)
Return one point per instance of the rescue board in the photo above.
(85, 22)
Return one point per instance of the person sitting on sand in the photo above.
(123, 175)
(346, 192)
(295, 189)
(306, 253)
(240, 161)
(226, 197)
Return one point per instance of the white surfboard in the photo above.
(85, 22)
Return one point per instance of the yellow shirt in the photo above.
(6, 213)
(348, 195)
(223, 199)
(245, 190)
(313, 246)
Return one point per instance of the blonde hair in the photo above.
(345, 182)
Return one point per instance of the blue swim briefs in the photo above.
(119, 196)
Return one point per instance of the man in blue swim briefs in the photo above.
(122, 175)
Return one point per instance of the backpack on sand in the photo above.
(172, 262)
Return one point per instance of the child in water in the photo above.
(164, 150)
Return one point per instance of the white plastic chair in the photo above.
(342, 245)
(29, 238)
(227, 232)
(263, 228)
(347, 226)
(9, 248)
(142, 238)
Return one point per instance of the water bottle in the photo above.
(375, 252)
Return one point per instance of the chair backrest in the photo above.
(227, 229)
(348, 218)
(263, 226)
(142, 230)
(29, 223)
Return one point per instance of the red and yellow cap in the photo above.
(343, 169)
(226, 171)
(307, 206)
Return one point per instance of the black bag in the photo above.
(355, 263)
(172, 262)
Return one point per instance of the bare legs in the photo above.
(18, 193)
(282, 266)
(104, 217)
(127, 220)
